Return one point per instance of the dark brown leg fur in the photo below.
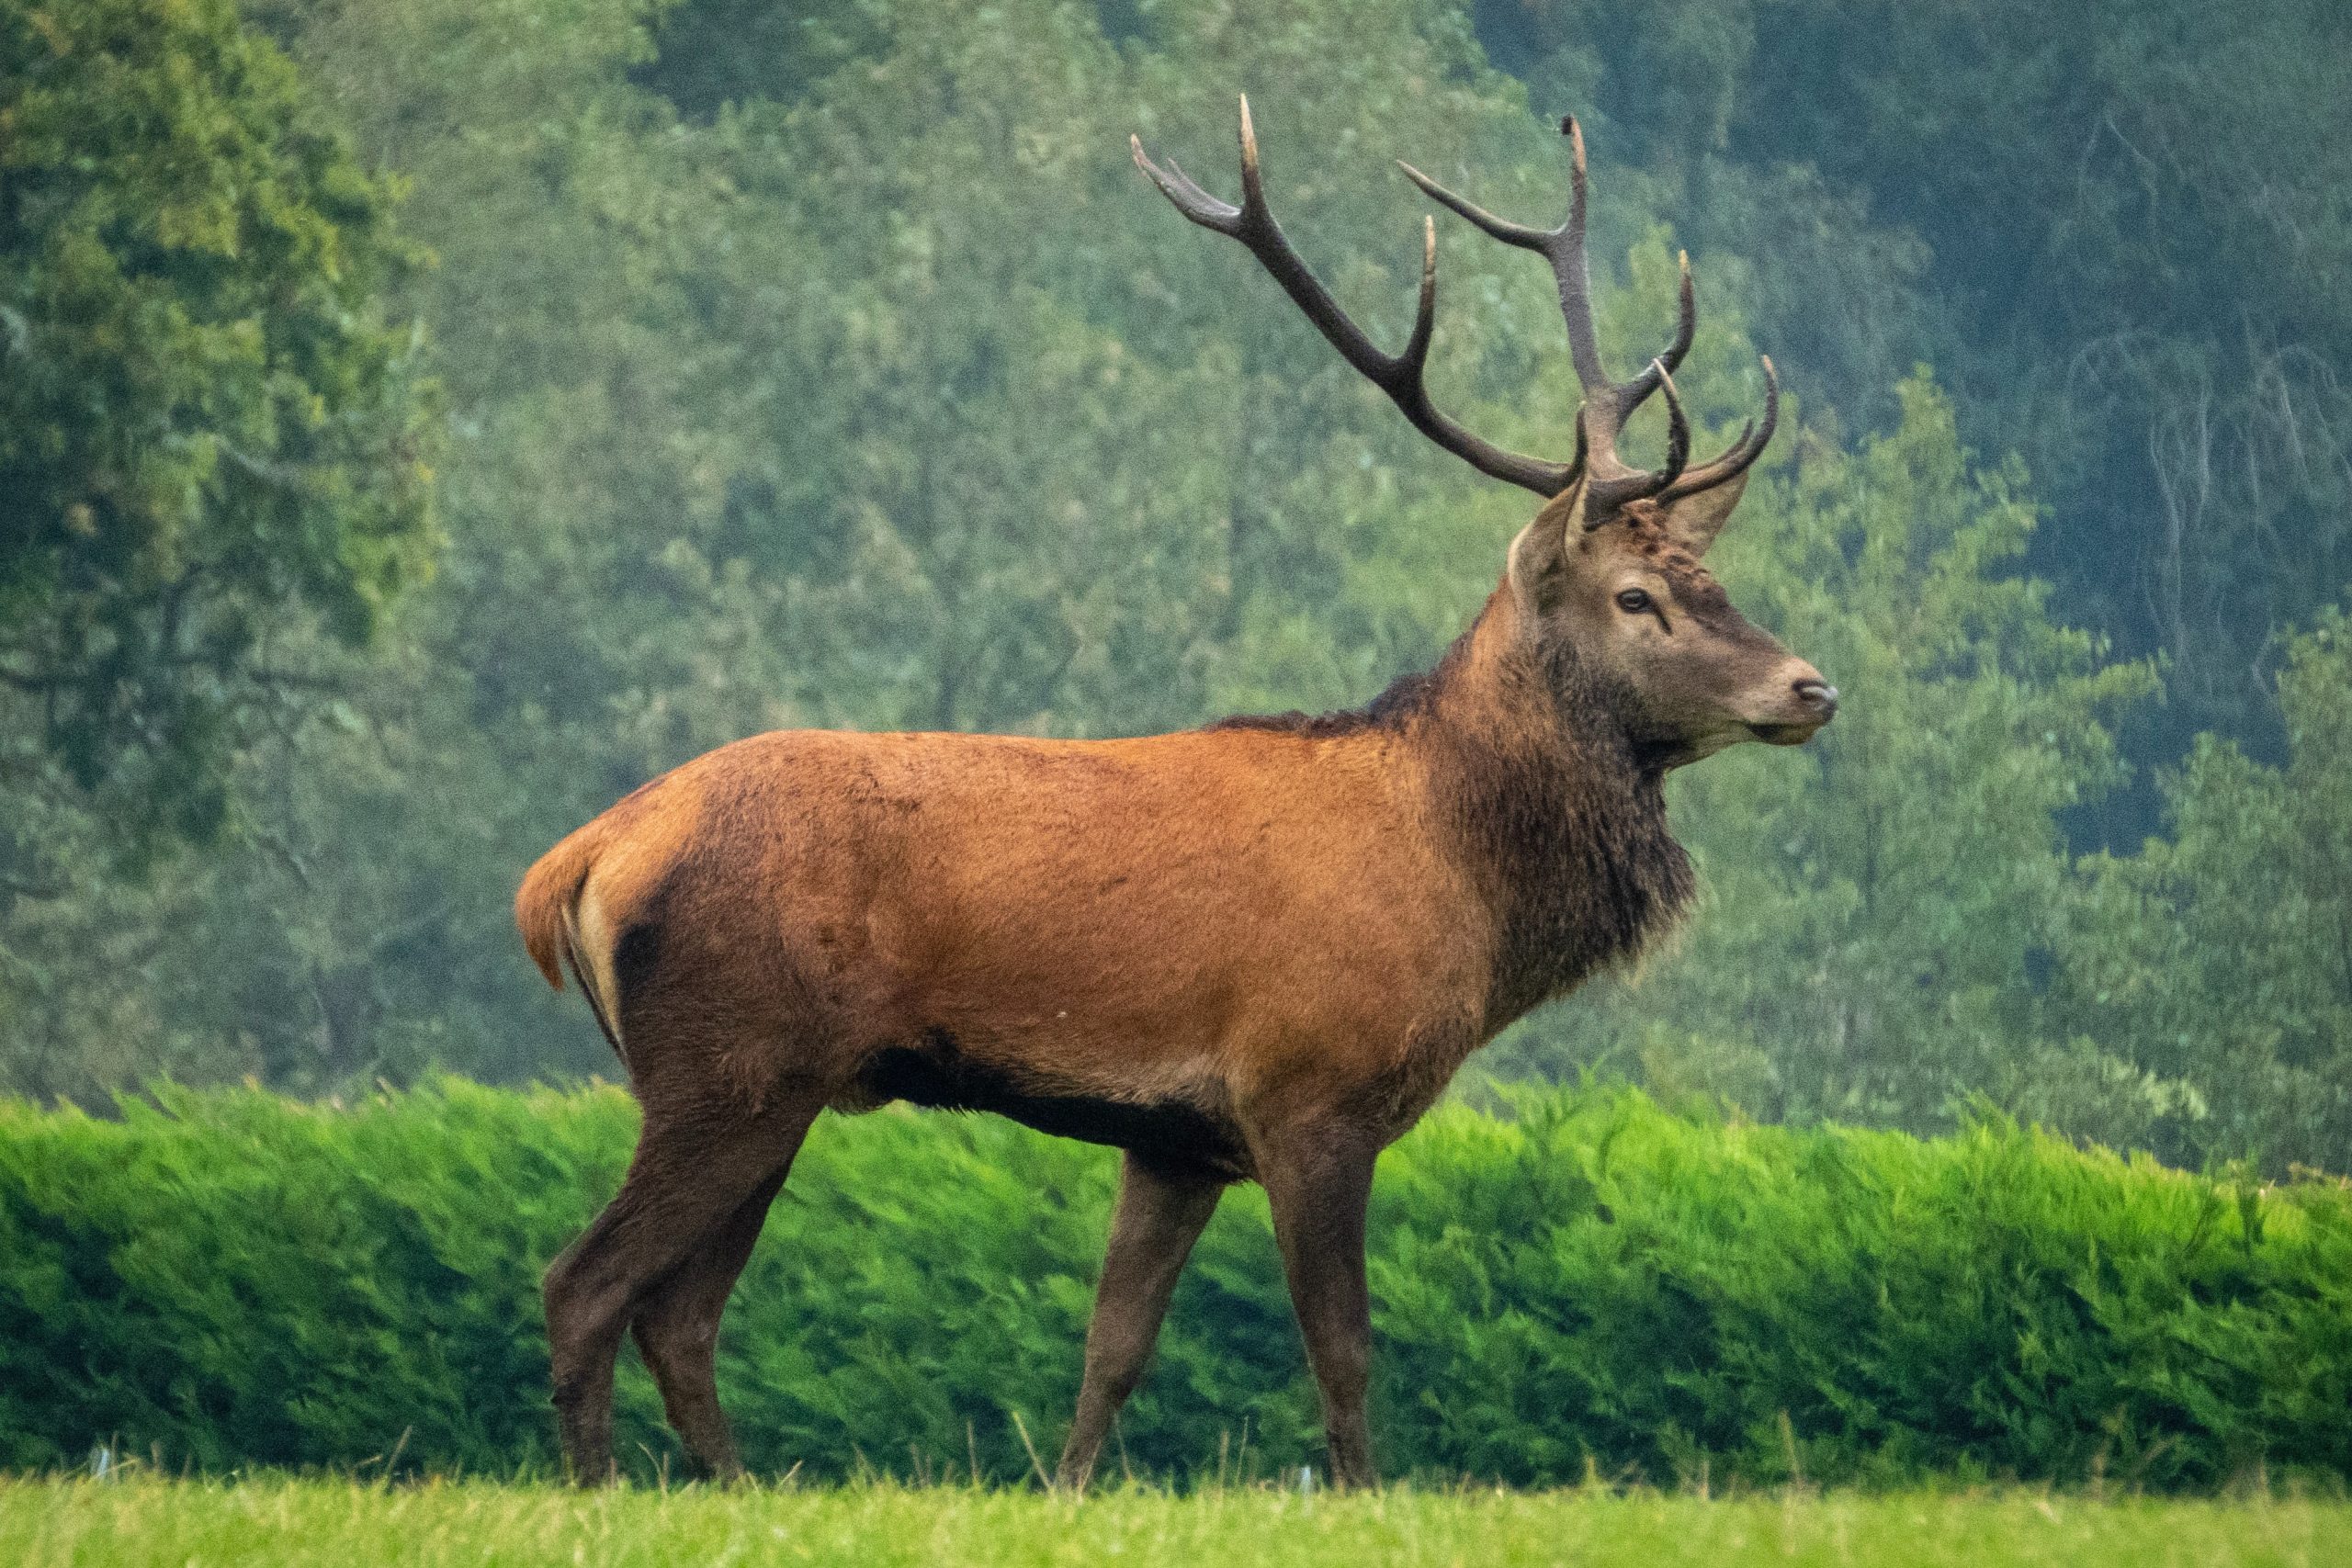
(1160, 1213)
(677, 1332)
(1319, 1184)
(682, 1206)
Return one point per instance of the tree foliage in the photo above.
(2225, 951)
(2117, 229)
(849, 375)
(211, 442)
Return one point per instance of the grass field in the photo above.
(134, 1522)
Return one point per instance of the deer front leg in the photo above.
(1318, 1182)
(1160, 1213)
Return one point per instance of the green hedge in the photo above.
(1593, 1282)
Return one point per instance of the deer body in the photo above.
(985, 921)
(1257, 951)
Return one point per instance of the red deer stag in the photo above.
(1252, 952)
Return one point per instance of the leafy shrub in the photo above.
(231, 1278)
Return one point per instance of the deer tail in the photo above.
(543, 904)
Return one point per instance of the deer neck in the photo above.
(1540, 795)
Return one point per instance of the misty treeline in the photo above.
(423, 421)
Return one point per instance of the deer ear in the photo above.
(1539, 557)
(1692, 521)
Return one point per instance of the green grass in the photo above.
(131, 1522)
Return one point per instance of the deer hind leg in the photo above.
(695, 1172)
(1160, 1213)
(677, 1331)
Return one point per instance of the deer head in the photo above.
(1607, 582)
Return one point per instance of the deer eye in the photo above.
(1632, 600)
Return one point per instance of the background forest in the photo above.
(421, 421)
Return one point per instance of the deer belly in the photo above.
(1173, 1128)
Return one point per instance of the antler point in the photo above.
(1399, 376)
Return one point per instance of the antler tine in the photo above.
(1604, 493)
(1632, 393)
(1399, 376)
(1189, 199)
(1677, 427)
(1742, 453)
(1574, 275)
(1503, 229)
(1563, 249)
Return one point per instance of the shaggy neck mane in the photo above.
(1559, 823)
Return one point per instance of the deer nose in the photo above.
(1818, 697)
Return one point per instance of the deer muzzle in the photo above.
(1810, 702)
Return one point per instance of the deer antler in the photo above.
(1753, 439)
(1399, 375)
(1607, 404)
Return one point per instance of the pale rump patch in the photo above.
(589, 936)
